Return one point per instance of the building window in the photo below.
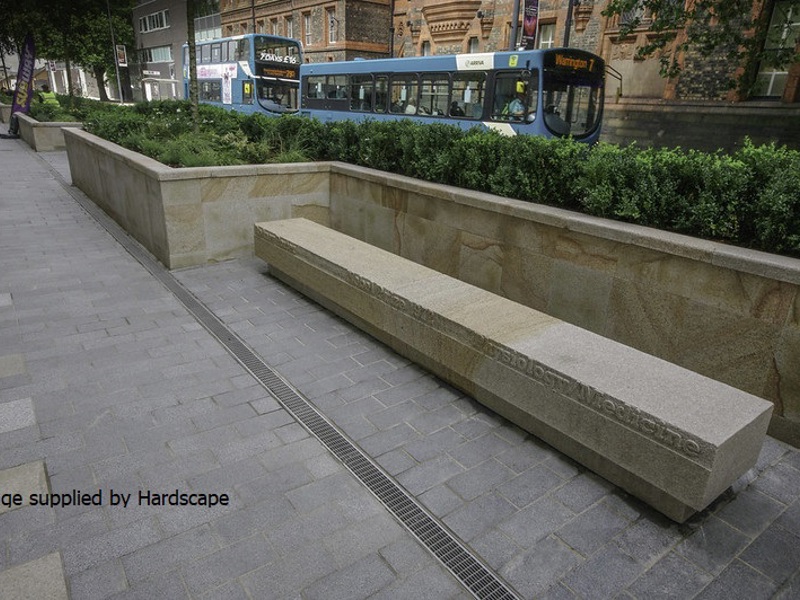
(637, 13)
(783, 34)
(307, 29)
(156, 55)
(425, 49)
(472, 46)
(507, 31)
(547, 35)
(288, 24)
(208, 27)
(260, 26)
(275, 29)
(159, 20)
(332, 22)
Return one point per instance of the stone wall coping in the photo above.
(162, 172)
(781, 268)
(34, 123)
(174, 174)
(755, 262)
(134, 160)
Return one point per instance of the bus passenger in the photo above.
(456, 110)
(515, 109)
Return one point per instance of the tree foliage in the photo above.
(77, 32)
(740, 30)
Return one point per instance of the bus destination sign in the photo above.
(573, 62)
(277, 58)
(268, 71)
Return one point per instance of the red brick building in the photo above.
(329, 30)
(347, 29)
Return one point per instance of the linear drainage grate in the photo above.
(467, 568)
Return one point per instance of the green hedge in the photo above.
(750, 198)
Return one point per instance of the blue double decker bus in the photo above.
(555, 92)
(248, 73)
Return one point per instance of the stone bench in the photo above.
(667, 435)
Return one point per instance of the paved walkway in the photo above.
(108, 383)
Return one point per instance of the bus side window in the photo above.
(433, 94)
(381, 93)
(337, 87)
(315, 86)
(216, 52)
(404, 94)
(211, 91)
(205, 53)
(468, 94)
(243, 49)
(361, 93)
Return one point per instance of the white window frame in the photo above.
(550, 41)
(776, 77)
(306, 29)
(154, 21)
(330, 14)
(157, 54)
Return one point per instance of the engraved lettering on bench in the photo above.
(552, 380)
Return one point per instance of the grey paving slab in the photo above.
(129, 392)
(12, 364)
(40, 579)
(20, 482)
(133, 394)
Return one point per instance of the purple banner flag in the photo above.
(530, 21)
(24, 90)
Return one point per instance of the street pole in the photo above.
(568, 26)
(114, 52)
(391, 29)
(512, 43)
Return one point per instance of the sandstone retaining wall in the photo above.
(728, 313)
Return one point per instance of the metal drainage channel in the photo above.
(465, 566)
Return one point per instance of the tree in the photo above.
(13, 28)
(78, 32)
(191, 10)
(97, 53)
(740, 30)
